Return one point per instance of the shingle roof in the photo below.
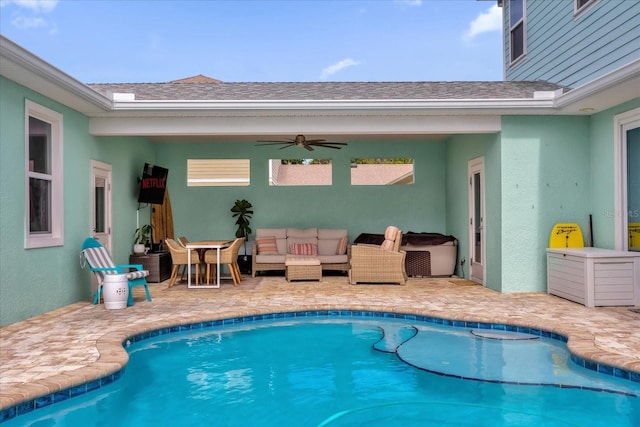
(197, 79)
(231, 91)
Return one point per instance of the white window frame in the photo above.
(579, 10)
(218, 172)
(55, 236)
(512, 25)
(622, 123)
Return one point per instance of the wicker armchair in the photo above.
(228, 256)
(179, 260)
(379, 264)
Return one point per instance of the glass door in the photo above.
(101, 203)
(633, 188)
(627, 180)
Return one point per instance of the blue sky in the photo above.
(99, 41)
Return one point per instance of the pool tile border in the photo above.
(62, 395)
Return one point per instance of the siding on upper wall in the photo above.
(573, 50)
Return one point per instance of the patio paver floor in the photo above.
(82, 342)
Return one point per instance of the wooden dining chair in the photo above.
(228, 256)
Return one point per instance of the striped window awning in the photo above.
(218, 172)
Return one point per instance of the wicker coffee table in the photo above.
(302, 267)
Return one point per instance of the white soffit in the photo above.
(30, 71)
(614, 88)
(235, 125)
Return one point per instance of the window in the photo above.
(300, 172)
(396, 171)
(218, 172)
(582, 5)
(516, 29)
(43, 177)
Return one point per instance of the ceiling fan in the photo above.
(301, 141)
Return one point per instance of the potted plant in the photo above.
(141, 239)
(242, 209)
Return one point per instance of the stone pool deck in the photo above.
(83, 342)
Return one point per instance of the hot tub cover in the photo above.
(410, 238)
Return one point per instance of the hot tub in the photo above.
(428, 254)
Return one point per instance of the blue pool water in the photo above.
(339, 371)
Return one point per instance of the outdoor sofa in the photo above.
(272, 246)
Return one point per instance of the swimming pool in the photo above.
(345, 368)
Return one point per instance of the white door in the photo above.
(476, 220)
(632, 137)
(101, 203)
(627, 180)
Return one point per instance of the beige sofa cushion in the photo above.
(328, 246)
(270, 259)
(330, 233)
(302, 233)
(329, 241)
(333, 259)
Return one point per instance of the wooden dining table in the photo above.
(206, 244)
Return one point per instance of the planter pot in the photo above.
(138, 248)
(244, 262)
(115, 291)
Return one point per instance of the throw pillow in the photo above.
(267, 246)
(390, 236)
(391, 232)
(342, 246)
(387, 245)
(303, 249)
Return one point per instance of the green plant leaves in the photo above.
(242, 210)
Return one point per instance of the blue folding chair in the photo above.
(97, 258)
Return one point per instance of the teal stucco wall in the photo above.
(602, 171)
(460, 150)
(34, 281)
(545, 180)
(204, 212)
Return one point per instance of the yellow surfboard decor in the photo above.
(634, 235)
(566, 235)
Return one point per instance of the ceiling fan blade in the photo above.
(328, 146)
(333, 145)
(301, 141)
(274, 142)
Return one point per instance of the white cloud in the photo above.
(338, 66)
(40, 6)
(29, 14)
(26, 23)
(489, 20)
